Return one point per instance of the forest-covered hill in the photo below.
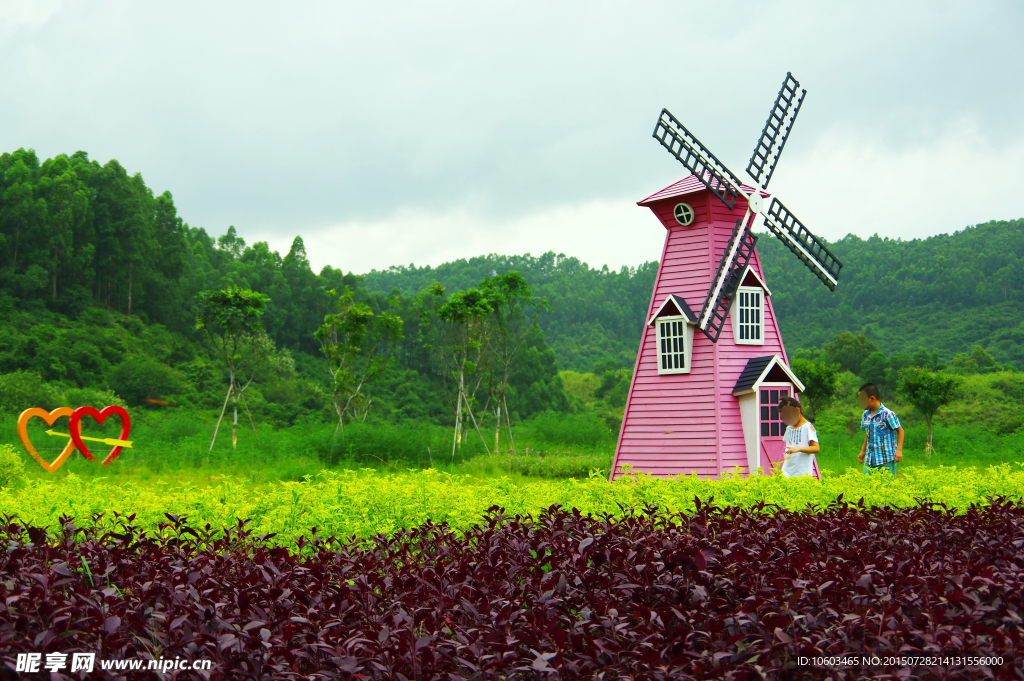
(98, 286)
(947, 293)
(77, 237)
(596, 314)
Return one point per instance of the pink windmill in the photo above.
(706, 403)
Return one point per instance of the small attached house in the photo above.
(695, 406)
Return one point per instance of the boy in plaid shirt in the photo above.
(883, 434)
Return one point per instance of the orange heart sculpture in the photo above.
(100, 415)
(49, 417)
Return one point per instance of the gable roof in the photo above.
(681, 307)
(690, 184)
(759, 369)
(749, 272)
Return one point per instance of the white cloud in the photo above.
(846, 182)
(850, 183)
(21, 14)
(517, 127)
(600, 232)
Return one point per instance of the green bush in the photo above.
(551, 466)
(12, 468)
(367, 503)
(139, 377)
(1010, 421)
(406, 442)
(91, 397)
(22, 390)
(586, 430)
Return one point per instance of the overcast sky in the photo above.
(397, 133)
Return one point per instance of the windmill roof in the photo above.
(759, 369)
(690, 184)
(755, 367)
(749, 272)
(680, 305)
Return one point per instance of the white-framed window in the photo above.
(675, 344)
(748, 315)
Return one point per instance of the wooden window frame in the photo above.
(736, 313)
(687, 339)
(771, 386)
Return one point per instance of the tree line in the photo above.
(80, 238)
(918, 378)
(594, 314)
(948, 292)
(476, 337)
(87, 246)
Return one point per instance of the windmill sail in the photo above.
(713, 174)
(776, 131)
(697, 158)
(811, 250)
(734, 260)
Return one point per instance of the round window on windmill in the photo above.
(683, 213)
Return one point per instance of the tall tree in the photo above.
(164, 298)
(124, 230)
(23, 220)
(67, 205)
(359, 346)
(929, 391)
(308, 297)
(231, 318)
(875, 369)
(464, 318)
(849, 351)
(978, 362)
(514, 311)
(821, 381)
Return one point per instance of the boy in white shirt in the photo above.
(801, 439)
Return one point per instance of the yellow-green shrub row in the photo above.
(363, 503)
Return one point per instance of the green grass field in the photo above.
(378, 478)
(175, 447)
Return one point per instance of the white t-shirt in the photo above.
(799, 463)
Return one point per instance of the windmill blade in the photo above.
(811, 250)
(734, 260)
(776, 131)
(688, 150)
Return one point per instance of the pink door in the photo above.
(773, 430)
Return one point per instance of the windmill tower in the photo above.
(706, 385)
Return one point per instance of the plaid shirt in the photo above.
(881, 431)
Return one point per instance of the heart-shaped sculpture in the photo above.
(49, 417)
(100, 415)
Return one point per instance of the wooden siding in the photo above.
(677, 424)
